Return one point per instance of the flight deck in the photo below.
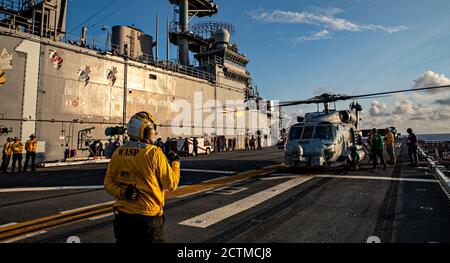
(239, 197)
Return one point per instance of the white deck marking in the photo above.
(9, 224)
(210, 218)
(278, 177)
(101, 216)
(29, 235)
(208, 171)
(379, 178)
(372, 178)
(41, 189)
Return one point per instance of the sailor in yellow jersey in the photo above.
(17, 150)
(389, 140)
(31, 147)
(138, 176)
(6, 157)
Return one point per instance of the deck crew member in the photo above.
(195, 146)
(377, 149)
(246, 142)
(185, 148)
(17, 149)
(31, 148)
(138, 176)
(6, 156)
(412, 148)
(389, 140)
(369, 145)
(259, 142)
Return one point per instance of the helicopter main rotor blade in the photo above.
(334, 98)
(299, 102)
(398, 91)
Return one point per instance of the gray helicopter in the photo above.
(329, 138)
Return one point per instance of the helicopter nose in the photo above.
(298, 150)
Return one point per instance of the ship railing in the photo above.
(96, 45)
(176, 67)
(16, 5)
(19, 23)
(444, 180)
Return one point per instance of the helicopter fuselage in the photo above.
(323, 140)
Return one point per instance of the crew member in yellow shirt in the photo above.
(138, 176)
(31, 148)
(6, 155)
(17, 149)
(389, 140)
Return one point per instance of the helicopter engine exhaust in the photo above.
(362, 154)
(348, 116)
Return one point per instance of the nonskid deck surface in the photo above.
(276, 204)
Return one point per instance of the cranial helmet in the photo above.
(140, 125)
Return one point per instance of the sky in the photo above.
(299, 49)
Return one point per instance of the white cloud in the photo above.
(373, 123)
(287, 17)
(443, 102)
(412, 111)
(389, 30)
(369, 122)
(324, 34)
(424, 112)
(428, 79)
(378, 109)
(442, 115)
(403, 108)
(420, 97)
(324, 19)
(328, 11)
(431, 79)
(290, 117)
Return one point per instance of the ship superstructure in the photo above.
(56, 87)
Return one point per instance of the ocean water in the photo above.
(434, 137)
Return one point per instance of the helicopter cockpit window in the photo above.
(307, 135)
(295, 133)
(325, 132)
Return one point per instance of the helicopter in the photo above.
(330, 138)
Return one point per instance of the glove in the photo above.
(131, 193)
(173, 157)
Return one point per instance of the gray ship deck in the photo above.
(276, 204)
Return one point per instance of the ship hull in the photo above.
(61, 82)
